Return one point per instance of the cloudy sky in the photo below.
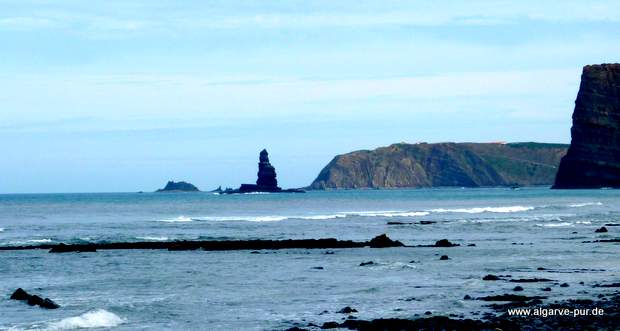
(125, 95)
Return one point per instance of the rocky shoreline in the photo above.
(602, 313)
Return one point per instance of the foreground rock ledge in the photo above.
(223, 245)
(609, 320)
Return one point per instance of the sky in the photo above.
(122, 96)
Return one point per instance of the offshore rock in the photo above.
(593, 159)
(33, 300)
(172, 186)
(266, 181)
(444, 164)
(384, 241)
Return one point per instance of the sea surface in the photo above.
(516, 232)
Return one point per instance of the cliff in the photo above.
(444, 164)
(172, 186)
(593, 159)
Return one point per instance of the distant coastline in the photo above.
(444, 165)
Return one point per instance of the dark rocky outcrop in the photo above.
(63, 248)
(490, 277)
(531, 280)
(266, 181)
(347, 310)
(601, 230)
(445, 243)
(216, 245)
(510, 297)
(444, 164)
(173, 186)
(505, 321)
(33, 300)
(593, 159)
(383, 241)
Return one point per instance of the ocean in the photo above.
(515, 233)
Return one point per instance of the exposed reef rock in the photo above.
(172, 186)
(593, 159)
(215, 245)
(266, 181)
(33, 300)
(444, 164)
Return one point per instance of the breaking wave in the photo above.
(276, 218)
(553, 225)
(478, 210)
(99, 318)
(389, 213)
(40, 241)
(178, 219)
(585, 204)
(267, 218)
(372, 213)
(152, 238)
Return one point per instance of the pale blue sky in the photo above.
(125, 95)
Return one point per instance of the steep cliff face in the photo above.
(593, 159)
(444, 164)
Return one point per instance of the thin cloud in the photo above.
(274, 16)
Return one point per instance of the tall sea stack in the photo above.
(266, 181)
(266, 172)
(593, 159)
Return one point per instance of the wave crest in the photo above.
(585, 204)
(177, 219)
(99, 318)
(478, 210)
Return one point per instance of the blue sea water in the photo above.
(515, 232)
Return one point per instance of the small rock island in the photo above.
(266, 181)
(173, 186)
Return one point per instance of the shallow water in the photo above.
(515, 232)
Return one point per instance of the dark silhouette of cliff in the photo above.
(593, 159)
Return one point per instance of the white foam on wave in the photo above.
(40, 241)
(554, 225)
(1, 229)
(389, 213)
(33, 241)
(276, 218)
(585, 204)
(177, 219)
(99, 318)
(478, 210)
(583, 222)
(322, 217)
(152, 238)
(267, 218)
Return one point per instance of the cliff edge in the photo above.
(593, 159)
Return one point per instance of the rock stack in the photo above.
(593, 159)
(266, 181)
(266, 172)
